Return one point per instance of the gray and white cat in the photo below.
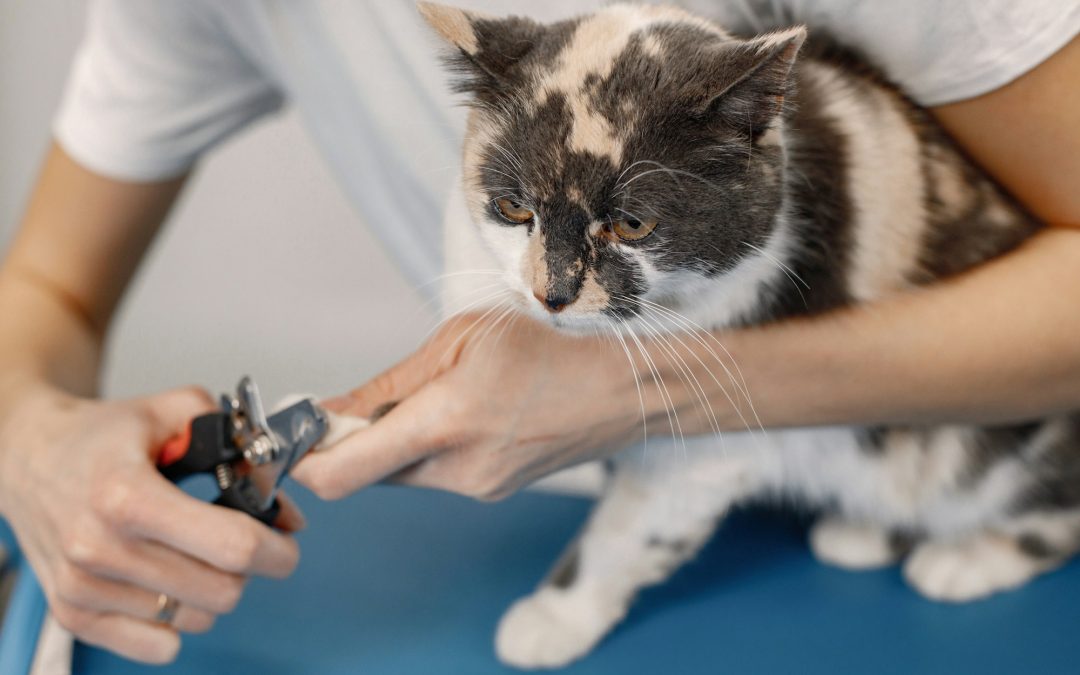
(641, 168)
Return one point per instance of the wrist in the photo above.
(709, 382)
(21, 395)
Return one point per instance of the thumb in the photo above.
(171, 411)
(401, 380)
(407, 434)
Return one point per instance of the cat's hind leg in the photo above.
(642, 530)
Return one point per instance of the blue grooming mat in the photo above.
(407, 581)
(25, 612)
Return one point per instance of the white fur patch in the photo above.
(341, 427)
(885, 183)
(591, 132)
(552, 628)
(719, 301)
(968, 570)
(852, 546)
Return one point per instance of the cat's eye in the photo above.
(513, 211)
(632, 229)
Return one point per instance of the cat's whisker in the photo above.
(500, 322)
(501, 173)
(659, 334)
(732, 401)
(618, 181)
(671, 172)
(695, 330)
(431, 302)
(787, 270)
(491, 283)
(467, 308)
(468, 330)
(513, 317)
(625, 212)
(685, 374)
(637, 384)
(459, 273)
(669, 401)
(511, 157)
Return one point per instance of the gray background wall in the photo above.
(218, 295)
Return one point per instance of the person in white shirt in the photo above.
(157, 84)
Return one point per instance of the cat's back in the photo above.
(881, 197)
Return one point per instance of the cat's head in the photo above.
(618, 158)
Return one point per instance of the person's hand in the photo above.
(106, 534)
(485, 407)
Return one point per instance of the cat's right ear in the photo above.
(486, 49)
(752, 78)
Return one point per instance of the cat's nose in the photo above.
(552, 302)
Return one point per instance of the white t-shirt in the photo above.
(157, 83)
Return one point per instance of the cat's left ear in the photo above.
(754, 78)
(487, 48)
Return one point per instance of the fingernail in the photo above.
(301, 522)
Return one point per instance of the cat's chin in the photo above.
(576, 324)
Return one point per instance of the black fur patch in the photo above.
(565, 572)
(820, 212)
(1036, 547)
(1055, 472)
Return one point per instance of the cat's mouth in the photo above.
(580, 323)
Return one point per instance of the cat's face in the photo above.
(621, 158)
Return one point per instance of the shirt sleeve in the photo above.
(155, 84)
(942, 52)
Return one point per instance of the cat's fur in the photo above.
(786, 180)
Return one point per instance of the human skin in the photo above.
(481, 416)
(103, 531)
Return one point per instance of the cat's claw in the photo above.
(968, 570)
(549, 629)
(852, 546)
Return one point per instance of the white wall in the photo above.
(263, 267)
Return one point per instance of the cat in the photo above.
(641, 157)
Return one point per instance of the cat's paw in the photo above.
(550, 629)
(853, 546)
(959, 571)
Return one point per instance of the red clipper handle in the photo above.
(175, 448)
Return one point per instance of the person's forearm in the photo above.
(43, 340)
(999, 344)
(81, 240)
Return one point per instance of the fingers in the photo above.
(223, 538)
(93, 593)
(231, 541)
(404, 378)
(291, 518)
(462, 472)
(148, 565)
(174, 409)
(418, 426)
(134, 639)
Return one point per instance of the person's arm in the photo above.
(484, 416)
(104, 532)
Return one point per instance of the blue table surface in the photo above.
(405, 581)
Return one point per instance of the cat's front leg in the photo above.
(646, 525)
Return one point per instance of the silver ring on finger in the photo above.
(167, 607)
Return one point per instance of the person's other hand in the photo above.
(485, 407)
(106, 534)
